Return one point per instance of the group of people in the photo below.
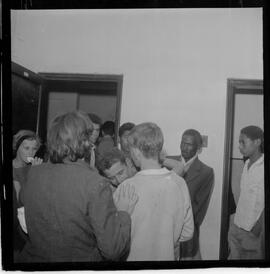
(95, 199)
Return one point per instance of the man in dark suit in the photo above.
(200, 179)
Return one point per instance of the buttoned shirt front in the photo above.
(251, 200)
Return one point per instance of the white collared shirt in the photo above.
(251, 201)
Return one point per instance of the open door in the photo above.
(38, 97)
(91, 93)
(26, 95)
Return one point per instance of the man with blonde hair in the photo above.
(163, 215)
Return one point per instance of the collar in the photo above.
(190, 161)
(258, 162)
(159, 171)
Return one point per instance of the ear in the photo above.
(199, 151)
(258, 142)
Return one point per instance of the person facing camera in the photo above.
(200, 180)
(247, 228)
(25, 146)
(69, 209)
(113, 165)
(91, 155)
(163, 215)
(26, 143)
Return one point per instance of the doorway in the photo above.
(38, 97)
(244, 108)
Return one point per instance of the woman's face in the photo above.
(124, 142)
(28, 148)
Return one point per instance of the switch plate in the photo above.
(205, 140)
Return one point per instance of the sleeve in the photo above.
(202, 198)
(188, 226)
(111, 227)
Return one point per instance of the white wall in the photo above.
(175, 65)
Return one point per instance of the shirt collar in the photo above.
(190, 161)
(258, 162)
(159, 171)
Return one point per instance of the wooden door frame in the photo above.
(234, 86)
(75, 77)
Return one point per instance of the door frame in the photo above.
(234, 86)
(75, 77)
(33, 77)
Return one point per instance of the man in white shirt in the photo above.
(250, 205)
(163, 216)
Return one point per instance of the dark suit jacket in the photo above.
(200, 180)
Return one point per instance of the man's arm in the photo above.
(111, 227)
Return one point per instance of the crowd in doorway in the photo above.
(96, 197)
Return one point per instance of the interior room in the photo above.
(174, 67)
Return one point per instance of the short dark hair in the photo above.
(148, 138)
(254, 133)
(196, 135)
(95, 118)
(68, 136)
(108, 128)
(124, 127)
(109, 158)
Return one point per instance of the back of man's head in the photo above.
(108, 128)
(109, 158)
(148, 138)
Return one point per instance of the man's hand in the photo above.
(35, 161)
(175, 165)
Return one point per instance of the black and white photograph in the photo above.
(133, 138)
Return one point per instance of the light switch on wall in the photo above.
(205, 140)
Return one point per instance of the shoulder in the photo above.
(205, 168)
(174, 157)
(178, 181)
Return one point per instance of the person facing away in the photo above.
(113, 165)
(200, 179)
(246, 232)
(106, 141)
(90, 157)
(163, 215)
(69, 209)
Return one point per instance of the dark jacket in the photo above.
(71, 217)
(200, 180)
